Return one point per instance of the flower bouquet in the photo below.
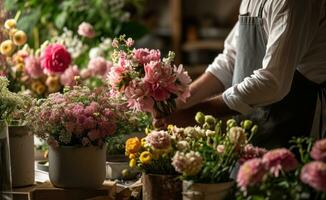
(280, 175)
(76, 125)
(148, 81)
(207, 155)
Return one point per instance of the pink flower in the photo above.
(70, 127)
(55, 58)
(89, 123)
(68, 77)
(184, 82)
(159, 139)
(86, 29)
(144, 56)
(53, 142)
(250, 173)
(116, 75)
(250, 152)
(115, 43)
(280, 159)
(94, 134)
(91, 108)
(77, 110)
(107, 128)
(318, 151)
(130, 42)
(314, 174)
(33, 67)
(99, 66)
(85, 73)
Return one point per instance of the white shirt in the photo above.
(273, 81)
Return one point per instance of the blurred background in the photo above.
(194, 29)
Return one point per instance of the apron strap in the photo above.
(261, 9)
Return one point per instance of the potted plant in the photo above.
(280, 175)
(152, 155)
(76, 125)
(8, 103)
(206, 156)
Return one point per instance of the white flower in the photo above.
(96, 52)
(182, 145)
(220, 148)
(237, 135)
(106, 44)
(210, 133)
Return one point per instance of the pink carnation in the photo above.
(33, 67)
(251, 173)
(280, 159)
(144, 56)
(318, 151)
(99, 66)
(314, 174)
(68, 77)
(116, 75)
(55, 58)
(249, 152)
(159, 139)
(86, 29)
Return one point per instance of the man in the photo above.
(272, 70)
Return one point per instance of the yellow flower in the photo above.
(132, 163)
(133, 145)
(18, 59)
(132, 156)
(12, 32)
(7, 47)
(10, 23)
(19, 67)
(145, 157)
(19, 38)
(40, 89)
(143, 142)
(53, 83)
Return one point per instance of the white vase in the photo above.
(21, 156)
(206, 191)
(77, 167)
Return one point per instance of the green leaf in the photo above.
(60, 20)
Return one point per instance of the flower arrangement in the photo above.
(78, 117)
(206, 153)
(279, 175)
(148, 81)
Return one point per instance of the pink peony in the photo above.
(144, 56)
(159, 139)
(314, 174)
(116, 75)
(280, 159)
(68, 77)
(249, 152)
(99, 66)
(55, 58)
(318, 151)
(184, 82)
(33, 67)
(86, 29)
(251, 173)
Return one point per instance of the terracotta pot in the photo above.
(161, 187)
(21, 156)
(202, 191)
(77, 167)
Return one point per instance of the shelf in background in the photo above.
(217, 44)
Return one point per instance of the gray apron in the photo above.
(294, 114)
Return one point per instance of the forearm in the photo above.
(206, 86)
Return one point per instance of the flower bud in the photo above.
(10, 23)
(206, 125)
(210, 119)
(247, 124)
(254, 129)
(200, 118)
(231, 123)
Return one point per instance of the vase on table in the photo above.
(21, 155)
(161, 187)
(206, 191)
(77, 167)
(5, 169)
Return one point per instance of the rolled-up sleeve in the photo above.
(272, 82)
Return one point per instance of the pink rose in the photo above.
(55, 58)
(33, 67)
(98, 66)
(86, 29)
(144, 56)
(318, 151)
(314, 174)
(280, 159)
(68, 77)
(251, 173)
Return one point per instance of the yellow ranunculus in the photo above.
(133, 145)
(10, 23)
(19, 38)
(12, 32)
(7, 47)
(145, 157)
(40, 89)
(132, 156)
(53, 83)
(132, 163)
(19, 67)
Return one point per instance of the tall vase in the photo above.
(77, 167)
(206, 191)
(5, 170)
(21, 156)
(161, 187)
